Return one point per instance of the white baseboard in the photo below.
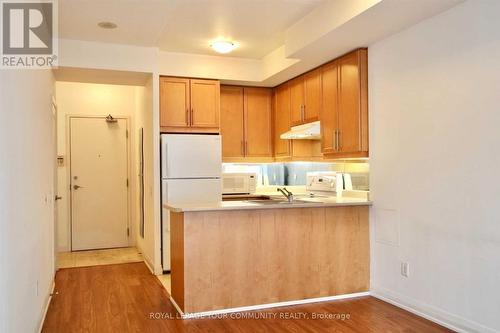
(263, 306)
(47, 304)
(176, 306)
(149, 266)
(429, 312)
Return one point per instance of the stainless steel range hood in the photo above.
(310, 131)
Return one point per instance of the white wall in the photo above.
(89, 99)
(434, 131)
(26, 198)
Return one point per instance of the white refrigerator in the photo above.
(191, 167)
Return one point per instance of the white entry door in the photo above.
(99, 186)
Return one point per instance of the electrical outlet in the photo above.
(405, 269)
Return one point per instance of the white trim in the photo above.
(155, 94)
(441, 317)
(177, 307)
(146, 261)
(264, 306)
(47, 304)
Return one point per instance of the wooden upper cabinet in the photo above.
(312, 96)
(174, 102)
(329, 111)
(231, 121)
(257, 113)
(353, 102)
(344, 111)
(246, 123)
(305, 98)
(189, 105)
(205, 103)
(281, 120)
(296, 87)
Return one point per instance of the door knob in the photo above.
(76, 187)
(57, 198)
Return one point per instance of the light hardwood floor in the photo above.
(128, 298)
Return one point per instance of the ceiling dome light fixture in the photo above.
(107, 25)
(223, 46)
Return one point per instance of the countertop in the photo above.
(299, 202)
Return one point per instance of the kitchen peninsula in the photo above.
(243, 255)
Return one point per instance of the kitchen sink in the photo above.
(278, 202)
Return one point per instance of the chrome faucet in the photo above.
(286, 193)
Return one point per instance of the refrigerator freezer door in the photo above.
(191, 191)
(191, 156)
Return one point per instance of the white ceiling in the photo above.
(185, 26)
(280, 39)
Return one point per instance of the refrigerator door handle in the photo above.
(165, 161)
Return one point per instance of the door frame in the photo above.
(55, 190)
(68, 172)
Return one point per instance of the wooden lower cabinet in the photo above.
(228, 259)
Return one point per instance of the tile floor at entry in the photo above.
(98, 257)
(106, 257)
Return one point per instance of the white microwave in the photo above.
(239, 183)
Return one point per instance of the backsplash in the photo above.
(294, 173)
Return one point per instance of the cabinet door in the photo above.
(296, 101)
(231, 121)
(282, 120)
(329, 108)
(353, 112)
(174, 102)
(205, 108)
(258, 131)
(312, 95)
